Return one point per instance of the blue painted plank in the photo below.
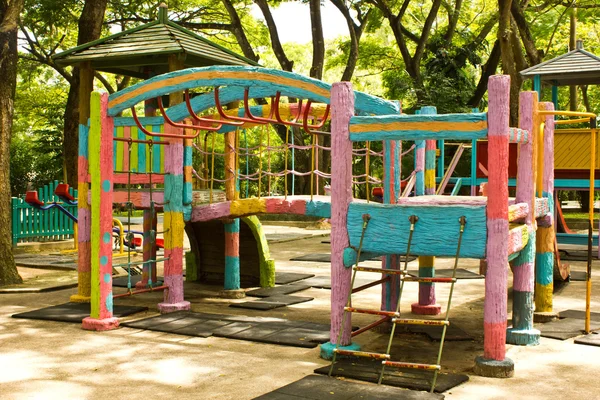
(436, 232)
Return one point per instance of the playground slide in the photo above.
(206, 260)
(561, 224)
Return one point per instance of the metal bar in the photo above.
(371, 284)
(408, 321)
(380, 270)
(129, 140)
(370, 326)
(131, 293)
(140, 262)
(366, 354)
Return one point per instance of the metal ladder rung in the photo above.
(399, 364)
(365, 354)
(380, 270)
(372, 312)
(431, 322)
(428, 279)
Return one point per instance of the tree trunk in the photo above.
(9, 15)
(316, 71)
(238, 31)
(90, 27)
(286, 63)
(508, 58)
(489, 69)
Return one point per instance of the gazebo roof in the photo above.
(145, 50)
(577, 67)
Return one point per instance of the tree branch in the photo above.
(284, 61)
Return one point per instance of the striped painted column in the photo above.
(392, 174)
(83, 218)
(391, 191)
(150, 221)
(173, 225)
(523, 266)
(427, 302)
(342, 109)
(544, 258)
(101, 167)
(232, 227)
(494, 363)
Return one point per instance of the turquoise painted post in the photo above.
(555, 96)
(537, 86)
(232, 255)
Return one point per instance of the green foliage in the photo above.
(36, 146)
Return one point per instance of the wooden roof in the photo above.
(577, 67)
(143, 51)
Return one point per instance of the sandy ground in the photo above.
(47, 360)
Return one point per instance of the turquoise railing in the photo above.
(32, 225)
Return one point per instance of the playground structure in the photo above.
(508, 226)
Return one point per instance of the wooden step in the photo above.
(428, 279)
(372, 312)
(365, 354)
(381, 270)
(408, 321)
(398, 364)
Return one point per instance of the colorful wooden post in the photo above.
(342, 109)
(426, 159)
(174, 224)
(494, 363)
(544, 259)
(84, 220)
(232, 227)
(101, 167)
(391, 184)
(150, 221)
(392, 173)
(523, 266)
(86, 75)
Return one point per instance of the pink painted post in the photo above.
(173, 225)
(493, 363)
(342, 109)
(101, 165)
(523, 266)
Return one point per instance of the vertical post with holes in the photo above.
(101, 166)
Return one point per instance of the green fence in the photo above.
(32, 225)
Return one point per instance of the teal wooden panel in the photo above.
(436, 233)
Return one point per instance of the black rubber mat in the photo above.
(326, 257)
(257, 329)
(579, 314)
(453, 333)
(319, 282)
(565, 328)
(578, 276)
(269, 303)
(461, 273)
(316, 387)
(278, 290)
(121, 281)
(593, 339)
(316, 257)
(368, 371)
(74, 312)
(283, 278)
